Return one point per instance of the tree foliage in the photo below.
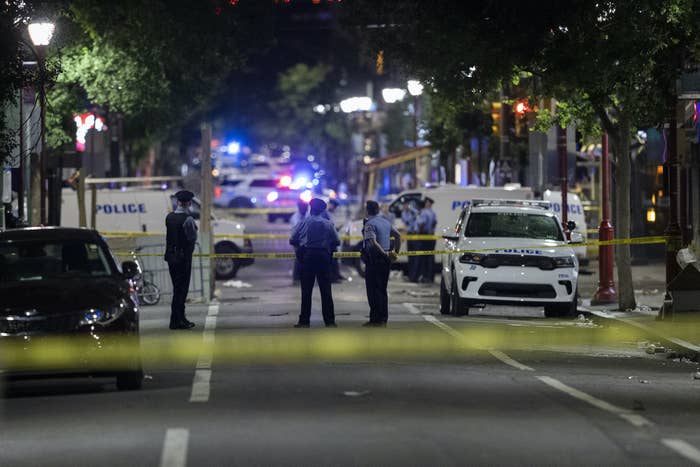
(291, 118)
(159, 63)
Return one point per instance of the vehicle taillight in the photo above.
(217, 192)
(285, 181)
(306, 196)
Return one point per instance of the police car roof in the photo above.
(521, 209)
(49, 233)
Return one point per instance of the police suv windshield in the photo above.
(38, 260)
(513, 225)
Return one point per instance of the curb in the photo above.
(678, 345)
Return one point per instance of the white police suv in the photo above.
(509, 252)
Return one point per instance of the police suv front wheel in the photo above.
(558, 310)
(458, 305)
(444, 298)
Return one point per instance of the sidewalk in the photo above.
(681, 334)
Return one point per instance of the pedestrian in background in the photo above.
(409, 216)
(315, 240)
(378, 255)
(426, 222)
(181, 236)
(386, 214)
(300, 214)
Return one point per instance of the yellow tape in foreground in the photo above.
(407, 342)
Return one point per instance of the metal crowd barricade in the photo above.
(152, 249)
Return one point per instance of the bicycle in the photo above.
(147, 292)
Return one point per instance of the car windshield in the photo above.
(36, 260)
(512, 225)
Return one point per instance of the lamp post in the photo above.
(40, 33)
(606, 292)
(415, 89)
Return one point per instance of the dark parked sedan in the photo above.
(65, 283)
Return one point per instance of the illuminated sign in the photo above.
(84, 123)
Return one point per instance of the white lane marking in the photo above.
(628, 415)
(684, 449)
(175, 448)
(509, 360)
(201, 383)
(454, 333)
(201, 386)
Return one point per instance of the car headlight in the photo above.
(104, 315)
(471, 258)
(564, 262)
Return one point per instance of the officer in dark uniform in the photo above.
(315, 240)
(181, 235)
(378, 255)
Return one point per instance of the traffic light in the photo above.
(496, 117)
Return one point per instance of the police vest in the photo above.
(175, 238)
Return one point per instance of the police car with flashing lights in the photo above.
(509, 252)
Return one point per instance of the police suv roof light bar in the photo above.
(512, 202)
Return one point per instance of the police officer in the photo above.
(181, 235)
(315, 240)
(378, 255)
(426, 222)
(409, 216)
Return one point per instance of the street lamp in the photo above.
(415, 89)
(40, 33)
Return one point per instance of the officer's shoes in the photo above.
(302, 325)
(331, 325)
(182, 325)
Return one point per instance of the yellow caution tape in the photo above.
(180, 348)
(356, 254)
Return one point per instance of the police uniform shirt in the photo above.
(315, 232)
(409, 218)
(432, 220)
(426, 222)
(296, 218)
(190, 227)
(377, 227)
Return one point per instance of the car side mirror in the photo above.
(576, 237)
(571, 226)
(449, 234)
(130, 269)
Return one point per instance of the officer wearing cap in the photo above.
(181, 235)
(315, 240)
(299, 215)
(377, 256)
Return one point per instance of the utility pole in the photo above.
(673, 231)
(606, 292)
(563, 178)
(206, 238)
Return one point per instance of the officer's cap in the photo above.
(317, 205)
(184, 196)
(428, 199)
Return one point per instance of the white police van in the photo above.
(509, 252)
(449, 201)
(144, 210)
(575, 213)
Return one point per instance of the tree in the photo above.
(292, 119)
(13, 76)
(161, 64)
(615, 61)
